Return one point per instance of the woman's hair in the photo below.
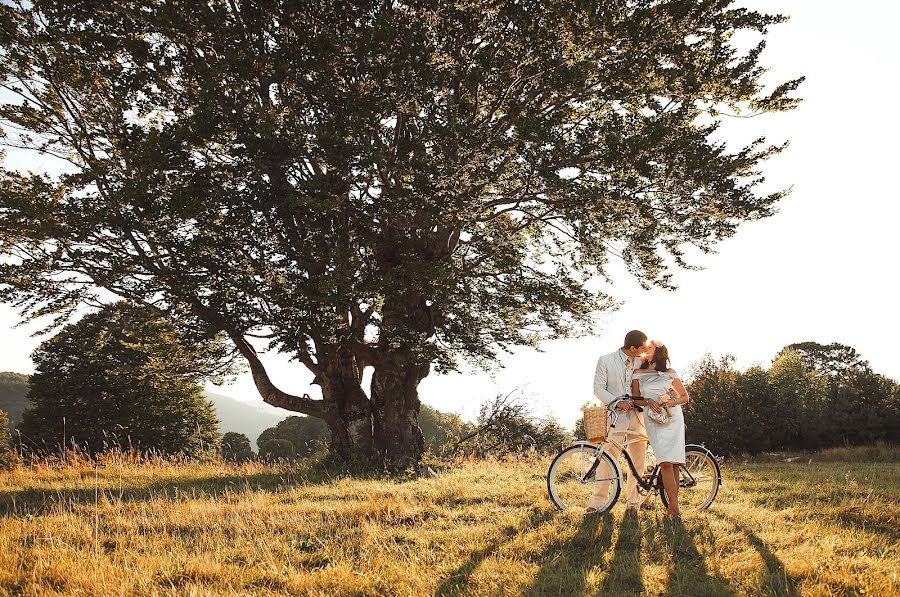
(660, 360)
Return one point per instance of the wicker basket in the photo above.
(595, 423)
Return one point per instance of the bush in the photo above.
(505, 426)
(310, 434)
(441, 430)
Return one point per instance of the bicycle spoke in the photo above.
(698, 481)
(576, 475)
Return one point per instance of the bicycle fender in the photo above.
(715, 459)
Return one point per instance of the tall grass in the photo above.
(133, 524)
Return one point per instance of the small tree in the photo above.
(121, 377)
(236, 447)
(505, 426)
(306, 434)
(276, 449)
(712, 388)
(13, 395)
(578, 431)
(748, 428)
(793, 411)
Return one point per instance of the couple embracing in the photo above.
(639, 372)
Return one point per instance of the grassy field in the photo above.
(810, 528)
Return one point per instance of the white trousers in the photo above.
(637, 451)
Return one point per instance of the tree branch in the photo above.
(271, 394)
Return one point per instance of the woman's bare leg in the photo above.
(676, 483)
(670, 486)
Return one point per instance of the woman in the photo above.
(658, 388)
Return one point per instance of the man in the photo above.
(612, 380)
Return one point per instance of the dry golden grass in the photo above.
(478, 529)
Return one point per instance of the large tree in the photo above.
(834, 360)
(395, 185)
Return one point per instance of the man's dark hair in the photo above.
(634, 338)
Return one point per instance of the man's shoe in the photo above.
(647, 506)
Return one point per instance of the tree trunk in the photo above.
(395, 410)
(349, 417)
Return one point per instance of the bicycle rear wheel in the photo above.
(699, 480)
(571, 486)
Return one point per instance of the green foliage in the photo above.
(236, 447)
(5, 442)
(578, 431)
(307, 435)
(448, 174)
(13, 395)
(440, 429)
(120, 377)
(807, 399)
(276, 449)
(833, 360)
(398, 185)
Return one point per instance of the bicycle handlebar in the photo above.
(612, 405)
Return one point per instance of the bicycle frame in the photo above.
(631, 437)
(644, 482)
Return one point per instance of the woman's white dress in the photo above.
(667, 440)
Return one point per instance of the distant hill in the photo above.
(251, 419)
(13, 395)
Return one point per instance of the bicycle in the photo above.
(575, 470)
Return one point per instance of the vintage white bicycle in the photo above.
(575, 472)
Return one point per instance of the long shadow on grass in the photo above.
(688, 573)
(567, 561)
(779, 581)
(456, 583)
(39, 501)
(624, 575)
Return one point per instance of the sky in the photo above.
(824, 268)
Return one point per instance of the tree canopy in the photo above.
(395, 185)
(120, 378)
(833, 359)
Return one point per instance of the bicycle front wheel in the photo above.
(699, 480)
(583, 471)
